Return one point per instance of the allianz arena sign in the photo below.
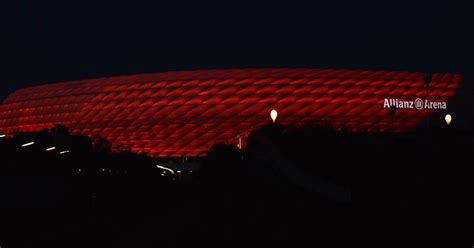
(418, 104)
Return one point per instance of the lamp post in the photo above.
(448, 118)
(427, 80)
(273, 115)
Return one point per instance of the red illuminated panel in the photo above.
(184, 113)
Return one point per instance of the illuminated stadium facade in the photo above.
(175, 114)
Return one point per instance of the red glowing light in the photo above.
(185, 113)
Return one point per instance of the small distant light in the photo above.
(79, 170)
(2, 135)
(63, 152)
(448, 118)
(162, 174)
(50, 149)
(103, 169)
(178, 171)
(27, 144)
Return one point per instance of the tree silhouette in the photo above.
(101, 145)
(222, 165)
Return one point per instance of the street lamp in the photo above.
(448, 118)
(273, 115)
(427, 77)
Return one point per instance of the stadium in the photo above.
(182, 114)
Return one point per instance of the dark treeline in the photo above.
(399, 187)
(78, 172)
(387, 169)
(289, 186)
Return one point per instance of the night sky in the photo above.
(51, 41)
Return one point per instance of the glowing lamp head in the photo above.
(448, 119)
(273, 115)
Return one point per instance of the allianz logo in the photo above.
(417, 104)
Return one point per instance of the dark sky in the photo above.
(50, 41)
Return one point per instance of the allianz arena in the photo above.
(176, 114)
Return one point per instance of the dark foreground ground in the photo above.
(287, 189)
(133, 212)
